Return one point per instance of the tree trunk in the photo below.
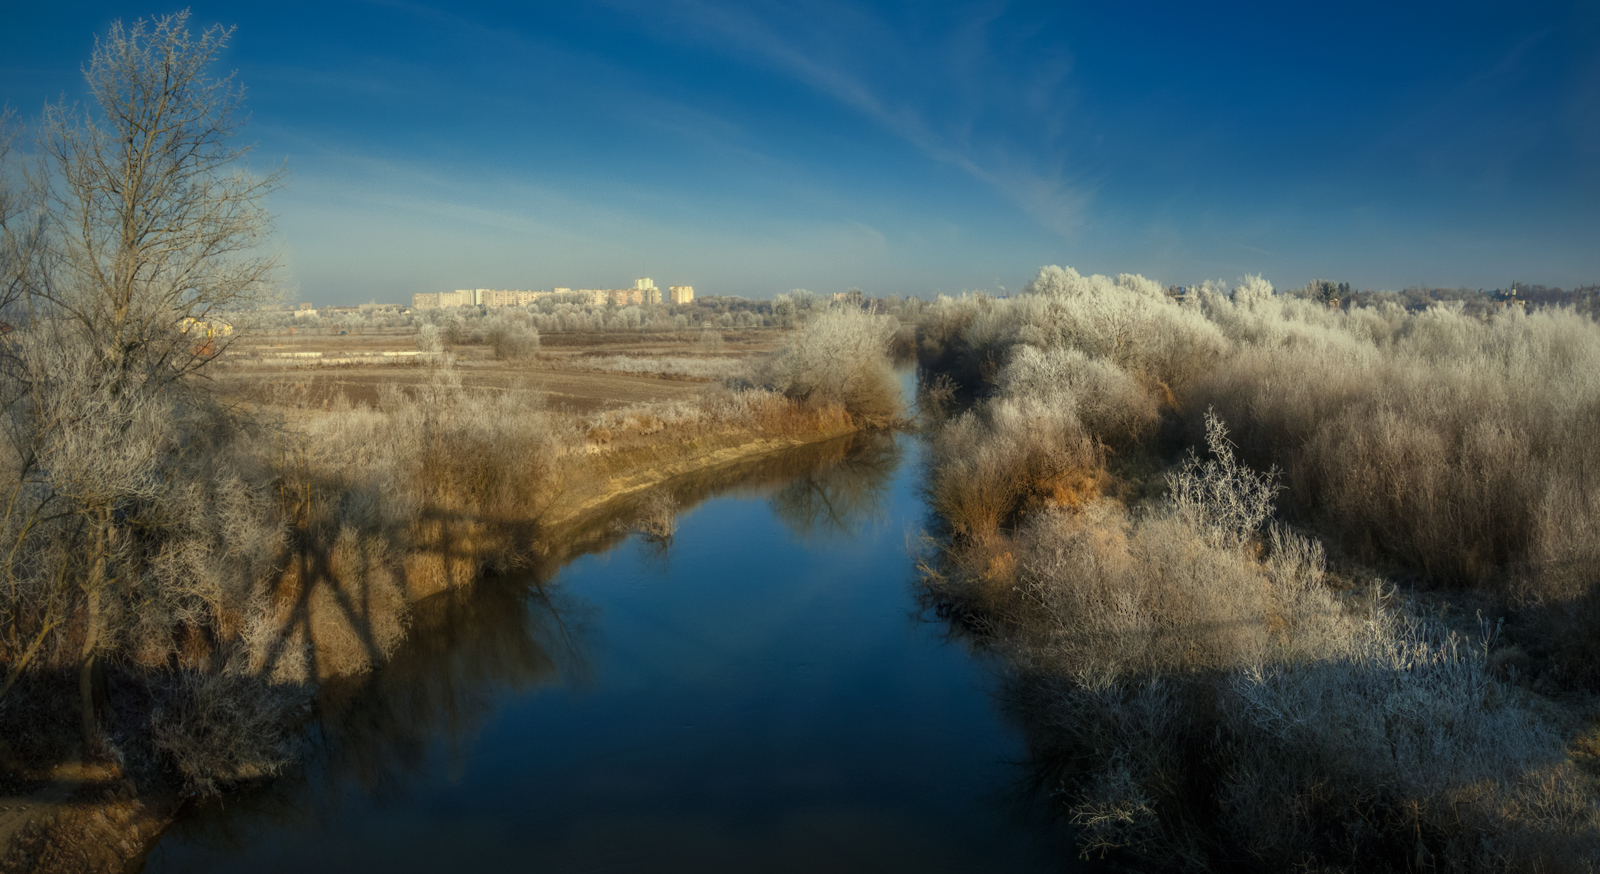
(91, 639)
(86, 676)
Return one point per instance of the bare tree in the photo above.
(136, 234)
(154, 224)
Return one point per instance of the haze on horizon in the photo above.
(904, 148)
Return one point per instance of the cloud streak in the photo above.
(822, 45)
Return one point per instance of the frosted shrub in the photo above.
(840, 358)
(220, 728)
(710, 342)
(142, 524)
(1171, 589)
(1174, 671)
(1220, 497)
(153, 479)
(1128, 322)
(1203, 694)
(511, 338)
(1105, 398)
(944, 346)
(1404, 730)
(1442, 444)
(992, 462)
(1253, 292)
(430, 340)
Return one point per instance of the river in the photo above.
(761, 693)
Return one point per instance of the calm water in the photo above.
(760, 695)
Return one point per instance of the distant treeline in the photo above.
(1475, 301)
(570, 313)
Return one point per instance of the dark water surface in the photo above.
(759, 695)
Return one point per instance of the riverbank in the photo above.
(749, 694)
(107, 823)
(388, 506)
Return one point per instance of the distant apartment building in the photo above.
(643, 292)
(621, 297)
(461, 297)
(506, 298)
(486, 297)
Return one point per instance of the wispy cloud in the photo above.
(942, 84)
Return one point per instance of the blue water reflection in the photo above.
(757, 695)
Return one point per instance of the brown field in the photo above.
(253, 371)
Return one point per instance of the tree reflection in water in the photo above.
(843, 496)
(372, 736)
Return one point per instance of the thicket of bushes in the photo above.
(1205, 692)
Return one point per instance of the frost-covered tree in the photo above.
(127, 515)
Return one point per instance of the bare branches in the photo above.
(21, 231)
(152, 220)
(120, 253)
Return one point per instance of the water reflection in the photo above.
(841, 497)
(745, 696)
(758, 477)
(374, 735)
(470, 650)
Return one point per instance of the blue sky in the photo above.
(906, 148)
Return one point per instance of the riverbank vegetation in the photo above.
(284, 546)
(1284, 584)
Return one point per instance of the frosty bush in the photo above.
(840, 358)
(1187, 673)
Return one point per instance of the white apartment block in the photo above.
(644, 291)
(487, 297)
